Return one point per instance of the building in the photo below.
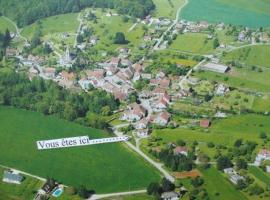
(49, 72)
(170, 195)
(142, 124)
(12, 177)
(264, 154)
(180, 151)
(205, 123)
(233, 175)
(135, 112)
(214, 67)
(161, 118)
(142, 133)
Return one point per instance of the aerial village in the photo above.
(148, 95)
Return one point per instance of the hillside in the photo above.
(28, 11)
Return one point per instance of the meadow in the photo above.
(260, 175)
(167, 8)
(254, 55)
(4, 25)
(196, 43)
(98, 167)
(239, 12)
(55, 24)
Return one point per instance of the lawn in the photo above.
(132, 197)
(255, 55)
(260, 175)
(167, 8)
(55, 24)
(193, 43)
(224, 131)
(216, 183)
(4, 25)
(243, 78)
(238, 12)
(24, 191)
(262, 104)
(99, 167)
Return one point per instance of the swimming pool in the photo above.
(57, 192)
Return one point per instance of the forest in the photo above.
(50, 99)
(28, 11)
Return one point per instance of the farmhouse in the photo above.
(170, 195)
(264, 154)
(180, 151)
(162, 118)
(214, 67)
(205, 123)
(12, 177)
(233, 175)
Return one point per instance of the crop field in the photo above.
(54, 24)
(255, 55)
(98, 167)
(250, 13)
(244, 78)
(167, 8)
(224, 131)
(193, 43)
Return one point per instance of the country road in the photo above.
(101, 196)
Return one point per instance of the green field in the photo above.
(262, 104)
(260, 175)
(216, 183)
(24, 191)
(224, 131)
(252, 13)
(99, 167)
(243, 78)
(166, 9)
(4, 25)
(254, 55)
(54, 24)
(193, 43)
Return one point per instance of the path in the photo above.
(18, 31)
(132, 27)
(101, 196)
(78, 30)
(160, 40)
(24, 173)
(148, 159)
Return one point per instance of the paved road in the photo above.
(101, 196)
(78, 30)
(148, 159)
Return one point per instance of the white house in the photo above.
(84, 83)
(170, 195)
(142, 124)
(12, 177)
(142, 133)
(264, 154)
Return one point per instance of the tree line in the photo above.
(28, 11)
(5, 39)
(50, 99)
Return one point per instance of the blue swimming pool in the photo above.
(57, 192)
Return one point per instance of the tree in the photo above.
(153, 188)
(120, 38)
(167, 185)
(241, 164)
(47, 49)
(263, 135)
(181, 142)
(238, 142)
(7, 38)
(241, 184)
(196, 182)
(215, 43)
(71, 190)
(223, 162)
(79, 38)
(83, 192)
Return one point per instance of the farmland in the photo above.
(254, 55)
(167, 8)
(240, 12)
(193, 43)
(94, 166)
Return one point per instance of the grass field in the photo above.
(224, 131)
(99, 167)
(260, 175)
(262, 104)
(239, 12)
(166, 9)
(54, 24)
(243, 78)
(193, 43)
(255, 55)
(24, 191)
(4, 25)
(216, 183)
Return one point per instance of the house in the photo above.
(242, 36)
(111, 71)
(233, 175)
(135, 112)
(221, 89)
(142, 124)
(170, 195)
(180, 151)
(12, 177)
(115, 61)
(138, 67)
(159, 105)
(142, 133)
(85, 83)
(161, 118)
(205, 123)
(166, 98)
(11, 52)
(126, 63)
(49, 186)
(220, 114)
(159, 91)
(67, 76)
(160, 75)
(49, 72)
(214, 67)
(229, 170)
(264, 154)
(121, 96)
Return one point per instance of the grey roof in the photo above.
(215, 67)
(11, 176)
(166, 195)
